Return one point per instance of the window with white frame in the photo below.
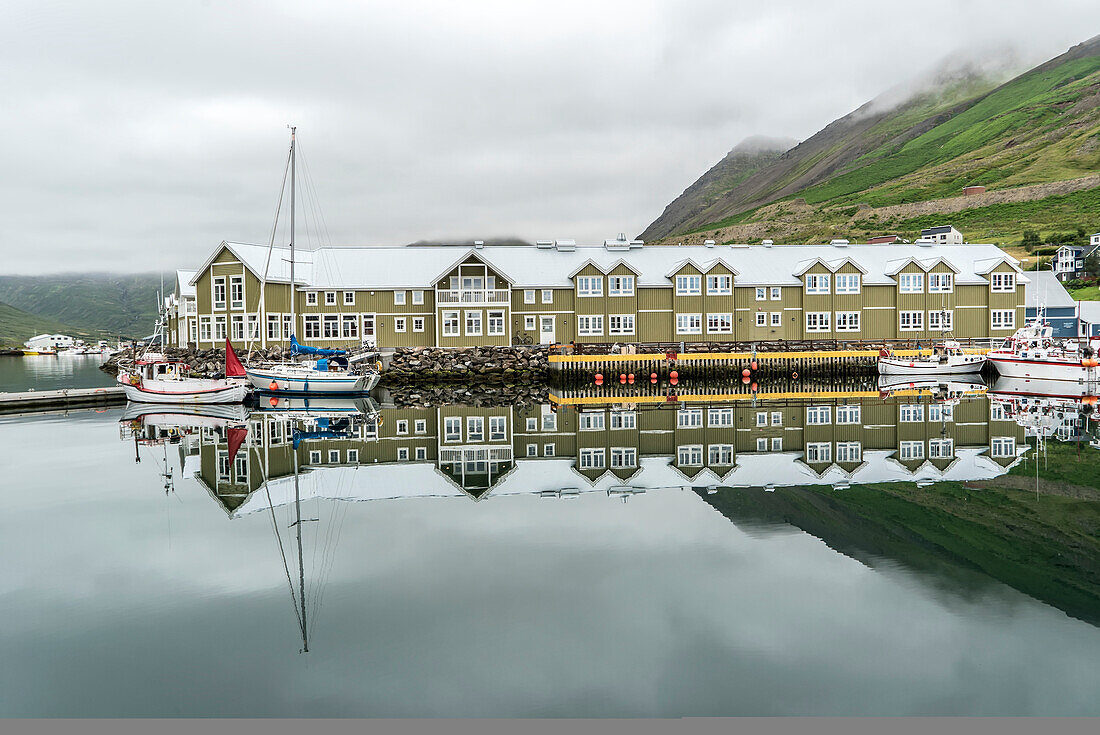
(690, 455)
(819, 452)
(592, 459)
(349, 326)
(330, 298)
(910, 450)
(847, 321)
(849, 452)
(399, 324)
(911, 283)
(818, 415)
(761, 293)
(817, 283)
(941, 321)
(590, 325)
(498, 428)
(777, 444)
(818, 321)
(589, 286)
(420, 426)
(450, 324)
(1002, 282)
(473, 323)
(236, 292)
(219, 328)
(529, 323)
(353, 456)
(311, 298)
(402, 454)
(529, 296)
(941, 282)
(1003, 446)
(624, 456)
(689, 418)
(719, 323)
(312, 326)
(590, 421)
(532, 424)
(334, 456)
(548, 450)
(204, 329)
(777, 319)
(452, 429)
(997, 412)
(689, 324)
(402, 426)
(941, 448)
(777, 293)
(549, 422)
(910, 413)
(689, 285)
(349, 298)
(398, 298)
(288, 325)
(847, 283)
(274, 322)
(761, 418)
(762, 444)
(496, 323)
(1002, 318)
(237, 325)
(421, 453)
(532, 450)
(848, 413)
(720, 454)
(418, 297)
(315, 456)
(910, 321)
(761, 319)
(547, 296)
(719, 285)
(620, 285)
(623, 420)
(777, 418)
(620, 324)
(192, 330)
(475, 428)
(418, 324)
(719, 417)
(330, 326)
(217, 292)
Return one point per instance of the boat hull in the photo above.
(965, 365)
(1063, 370)
(309, 382)
(229, 393)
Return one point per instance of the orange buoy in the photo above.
(1089, 400)
(754, 387)
(599, 377)
(794, 376)
(273, 401)
(274, 385)
(653, 378)
(674, 375)
(622, 377)
(630, 378)
(674, 380)
(754, 364)
(746, 373)
(745, 379)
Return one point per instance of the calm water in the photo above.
(48, 372)
(440, 584)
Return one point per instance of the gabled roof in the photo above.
(925, 264)
(1045, 288)
(476, 254)
(183, 283)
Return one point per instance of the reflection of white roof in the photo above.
(1045, 288)
(421, 266)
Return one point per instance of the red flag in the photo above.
(233, 367)
(236, 439)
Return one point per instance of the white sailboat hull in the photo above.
(953, 365)
(304, 380)
(1011, 366)
(186, 391)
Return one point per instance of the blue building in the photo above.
(1044, 289)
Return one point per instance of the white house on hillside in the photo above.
(944, 235)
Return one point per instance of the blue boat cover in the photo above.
(299, 349)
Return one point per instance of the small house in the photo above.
(1069, 260)
(969, 191)
(943, 235)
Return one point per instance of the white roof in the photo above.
(183, 279)
(420, 267)
(1045, 288)
(1090, 311)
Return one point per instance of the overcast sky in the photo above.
(138, 135)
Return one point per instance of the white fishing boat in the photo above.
(1033, 353)
(324, 371)
(154, 378)
(948, 358)
(942, 385)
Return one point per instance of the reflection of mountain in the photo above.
(1047, 548)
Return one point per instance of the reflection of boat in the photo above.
(1032, 352)
(941, 384)
(302, 406)
(946, 359)
(1046, 408)
(186, 415)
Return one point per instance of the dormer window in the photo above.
(941, 283)
(847, 283)
(620, 285)
(1003, 282)
(719, 285)
(911, 283)
(689, 285)
(590, 286)
(817, 283)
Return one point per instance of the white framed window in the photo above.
(330, 298)
(847, 283)
(620, 324)
(547, 296)
(941, 282)
(529, 323)
(720, 323)
(777, 319)
(398, 298)
(1002, 318)
(777, 418)
(690, 455)
(549, 421)
(777, 293)
(312, 326)
(349, 298)
(236, 292)
(761, 444)
(818, 321)
(689, 285)
(548, 450)
(589, 286)
(532, 450)
(720, 454)
(529, 296)
(420, 426)
(1002, 282)
(496, 323)
(719, 285)
(217, 292)
(330, 326)
(288, 326)
(777, 444)
(349, 326)
(402, 426)
(204, 329)
(817, 283)
(849, 452)
(911, 283)
(620, 285)
(761, 418)
(997, 411)
(909, 450)
(353, 456)
(1003, 446)
(473, 323)
(847, 321)
(719, 417)
(910, 413)
(219, 328)
(941, 448)
(590, 421)
(910, 321)
(498, 428)
(192, 330)
(818, 415)
(450, 324)
(592, 459)
(315, 456)
(421, 453)
(532, 424)
(274, 326)
(475, 428)
(452, 429)
(418, 297)
(940, 321)
(237, 327)
(689, 324)
(334, 456)
(402, 454)
(624, 456)
(399, 324)
(623, 420)
(761, 319)
(689, 418)
(590, 325)
(761, 293)
(849, 413)
(311, 298)
(418, 324)
(819, 452)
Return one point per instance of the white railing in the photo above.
(473, 296)
(476, 454)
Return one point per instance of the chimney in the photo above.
(565, 246)
(708, 243)
(479, 244)
(766, 243)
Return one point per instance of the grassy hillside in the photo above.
(95, 303)
(1034, 142)
(16, 326)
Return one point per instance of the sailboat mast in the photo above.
(301, 559)
(293, 310)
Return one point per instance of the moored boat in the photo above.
(1033, 353)
(948, 358)
(153, 378)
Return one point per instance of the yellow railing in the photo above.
(733, 356)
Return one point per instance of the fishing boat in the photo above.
(947, 358)
(1033, 353)
(942, 385)
(154, 378)
(323, 371)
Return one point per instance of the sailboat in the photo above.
(330, 372)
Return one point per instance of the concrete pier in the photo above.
(52, 400)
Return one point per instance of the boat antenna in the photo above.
(293, 309)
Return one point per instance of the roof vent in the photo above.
(636, 244)
(766, 243)
(739, 244)
(479, 244)
(708, 243)
(565, 246)
(924, 242)
(839, 243)
(619, 243)
(544, 244)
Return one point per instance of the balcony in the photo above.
(472, 296)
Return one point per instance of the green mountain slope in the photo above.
(880, 170)
(93, 303)
(17, 326)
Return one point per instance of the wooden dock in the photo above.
(52, 400)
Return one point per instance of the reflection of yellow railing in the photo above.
(760, 396)
(741, 356)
